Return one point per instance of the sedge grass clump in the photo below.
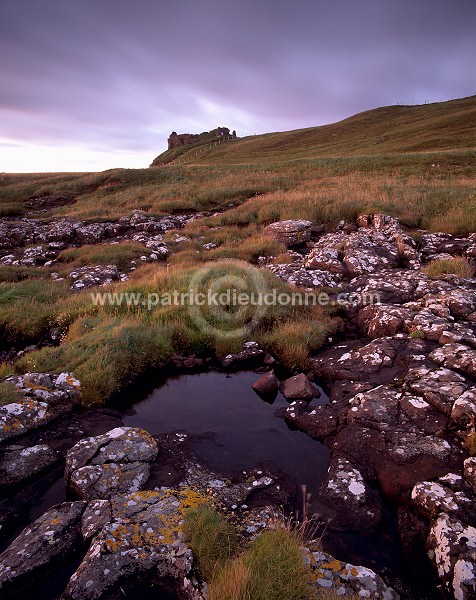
(293, 340)
(105, 353)
(459, 266)
(270, 568)
(212, 538)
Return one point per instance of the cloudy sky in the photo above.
(87, 85)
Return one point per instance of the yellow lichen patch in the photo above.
(335, 565)
(136, 533)
(55, 521)
(29, 385)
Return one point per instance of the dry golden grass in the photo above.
(459, 266)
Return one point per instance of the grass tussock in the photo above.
(459, 266)
(270, 568)
(105, 353)
(294, 341)
(212, 538)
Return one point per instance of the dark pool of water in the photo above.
(246, 431)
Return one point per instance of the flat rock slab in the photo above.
(115, 462)
(143, 536)
(18, 463)
(41, 545)
(290, 232)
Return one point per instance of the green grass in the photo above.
(423, 172)
(294, 341)
(8, 393)
(120, 255)
(456, 266)
(440, 126)
(270, 568)
(212, 538)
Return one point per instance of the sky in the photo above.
(87, 85)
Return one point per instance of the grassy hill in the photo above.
(433, 127)
(417, 163)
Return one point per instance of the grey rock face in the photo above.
(43, 398)
(116, 462)
(143, 534)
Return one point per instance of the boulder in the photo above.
(266, 385)
(112, 463)
(464, 407)
(456, 356)
(290, 232)
(41, 546)
(298, 387)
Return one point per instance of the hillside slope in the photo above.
(440, 126)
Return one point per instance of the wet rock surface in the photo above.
(19, 464)
(41, 545)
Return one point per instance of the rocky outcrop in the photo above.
(105, 465)
(402, 391)
(34, 243)
(142, 536)
(185, 139)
